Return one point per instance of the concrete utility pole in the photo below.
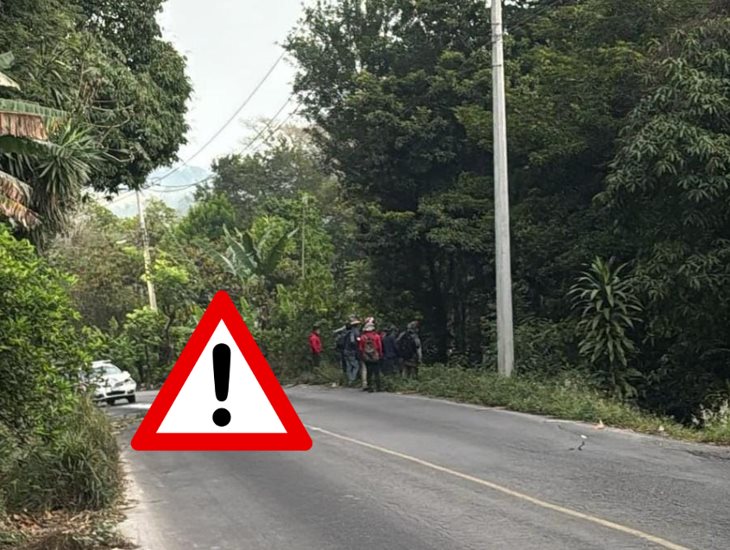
(505, 332)
(146, 251)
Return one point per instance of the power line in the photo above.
(267, 126)
(176, 188)
(123, 196)
(279, 126)
(183, 187)
(227, 122)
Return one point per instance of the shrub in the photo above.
(8, 456)
(543, 346)
(609, 311)
(75, 466)
(39, 340)
(715, 422)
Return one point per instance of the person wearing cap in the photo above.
(371, 351)
(351, 349)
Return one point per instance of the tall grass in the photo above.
(567, 396)
(74, 467)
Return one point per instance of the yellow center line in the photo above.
(507, 491)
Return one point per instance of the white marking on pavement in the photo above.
(510, 492)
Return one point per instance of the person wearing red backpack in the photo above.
(371, 351)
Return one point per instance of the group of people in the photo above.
(367, 354)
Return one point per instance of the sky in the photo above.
(230, 45)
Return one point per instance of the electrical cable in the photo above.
(227, 122)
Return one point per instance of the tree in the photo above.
(207, 218)
(279, 172)
(398, 94)
(100, 252)
(670, 188)
(382, 84)
(139, 345)
(107, 65)
(39, 338)
(175, 292)
(22, 130)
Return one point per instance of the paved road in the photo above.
(398, 472)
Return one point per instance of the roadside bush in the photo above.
(715, 422)
(609, 312)
(543, 346)
(39, 340)
(569, 395)
(137, 348)
(75, 467)
(8, 457)
(56, 449)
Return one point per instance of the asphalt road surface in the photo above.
(399, 472)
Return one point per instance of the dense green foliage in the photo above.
(56, 449)
(91, 98)
(617, 115)
(619, 159)
(122, 88)
(618, 166)
(37, 336)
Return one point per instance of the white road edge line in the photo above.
(507, 491)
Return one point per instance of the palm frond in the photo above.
(14, 196)
(17, 106)
(273, 258)
(7, 59)
(7, 82)
(22, 146)
(22, 125)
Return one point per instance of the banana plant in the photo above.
(248, 258)
(22, 132)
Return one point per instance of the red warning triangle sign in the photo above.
(221, 395)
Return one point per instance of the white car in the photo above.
(111, 383)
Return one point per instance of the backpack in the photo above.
(370, 353)
(406, 346)
(341, 340)
(351, 338)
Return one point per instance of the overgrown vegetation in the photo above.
(569, 396)
(382, 205)
(58, 450)
(91, 97)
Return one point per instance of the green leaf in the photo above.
(7, 60)
(30, 147)
(28, 108)
(7, 82)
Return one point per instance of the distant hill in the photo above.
(176, 191)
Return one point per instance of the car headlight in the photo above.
(120, 384)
